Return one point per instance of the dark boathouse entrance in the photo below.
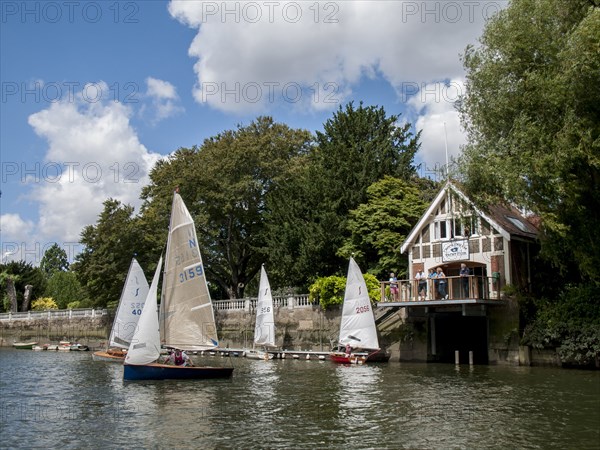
(451, 332)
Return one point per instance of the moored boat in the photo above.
(79, 348)
(24, 345)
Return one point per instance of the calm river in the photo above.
(66, 400)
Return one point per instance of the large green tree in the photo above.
(532, 112)
(358, 146)
(54, 259)
(64, 288)
(225, 184)
(109, 246)
(379, 226)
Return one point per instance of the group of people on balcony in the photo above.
(437, 279)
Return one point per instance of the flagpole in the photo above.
(446, 144)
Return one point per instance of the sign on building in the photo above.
(455, 250)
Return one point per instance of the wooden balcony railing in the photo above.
(473, 287)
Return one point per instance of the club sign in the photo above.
(455, 250)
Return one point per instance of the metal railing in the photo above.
(53, 314)
(473, 287)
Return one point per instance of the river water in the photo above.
(66, 400)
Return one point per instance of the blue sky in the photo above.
(93, 93)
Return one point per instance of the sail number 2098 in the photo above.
(190, 273)
(362, 309)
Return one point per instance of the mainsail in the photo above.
(145, 345)
(187, 317)
(264, 331)
(130, 306)
(358, 323)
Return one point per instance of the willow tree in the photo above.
(532, 112)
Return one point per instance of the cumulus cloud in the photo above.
(432, 105)
(15, 232)
(250, 55)
(93, 153)
(164, 98)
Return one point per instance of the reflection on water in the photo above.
(66, 400)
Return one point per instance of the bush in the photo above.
(329, 291)
(570, 324)
(44, 304)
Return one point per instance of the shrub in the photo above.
(570, 324)
(329, 291)
(44, 304)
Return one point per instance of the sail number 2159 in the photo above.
(190, 273)
(362, 309)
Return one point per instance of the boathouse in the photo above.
(471, 314)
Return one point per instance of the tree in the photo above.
(54, 259)
(308, 214)
(225, 184)
(109, 246)
(532, 112)
(64, 288)
(21, 274)
(379, 226)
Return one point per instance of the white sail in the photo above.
(187, 320)
(358, 323)
(130, 306)
(264, 331)
(145, 345)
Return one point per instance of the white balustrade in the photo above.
(53, 314)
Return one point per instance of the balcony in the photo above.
(458, 290)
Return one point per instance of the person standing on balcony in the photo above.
(421, 284)
(431, 276)
(394, 287)
(465, 273)
(441, 280)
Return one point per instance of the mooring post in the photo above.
(456, 357)
(470, 357)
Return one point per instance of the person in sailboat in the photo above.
(348, 349)
(179, 358)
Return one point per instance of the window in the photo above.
(466, 226)
(517, 223)
(440, 231)
(425, 234)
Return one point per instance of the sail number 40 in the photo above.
(136, 308)
(362, 309)
(190, 273)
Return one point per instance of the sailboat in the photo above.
(187, 319)
(264, 330)
(357, 329)
(131, 303)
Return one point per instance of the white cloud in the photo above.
(15, 232)
(431, 107)
(248, 52)
(13, 225)
(164, 98)
(93, 153)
